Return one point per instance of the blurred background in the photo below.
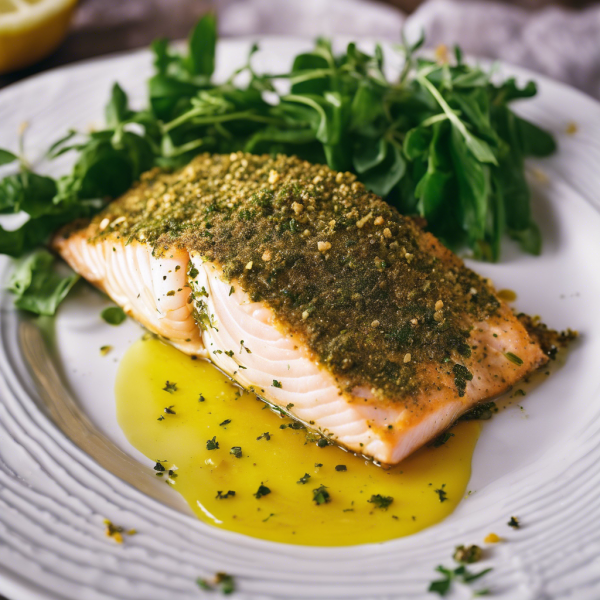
(561, 40)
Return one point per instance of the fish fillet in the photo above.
(311, 292)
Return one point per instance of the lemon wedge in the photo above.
(31, 29)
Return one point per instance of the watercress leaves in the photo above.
(38, 287)
(439, 141)
(7, 157)
(113, 315)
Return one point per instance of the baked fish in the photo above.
(310, 291)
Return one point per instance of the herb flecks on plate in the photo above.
(440, 141)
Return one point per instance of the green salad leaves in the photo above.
(439, 141)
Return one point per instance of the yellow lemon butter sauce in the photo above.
(222, 445)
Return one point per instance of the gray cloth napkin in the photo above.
(557, 42)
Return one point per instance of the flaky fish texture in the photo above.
(310, 291)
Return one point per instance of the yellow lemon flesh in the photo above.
(251, 471)
(31, 29)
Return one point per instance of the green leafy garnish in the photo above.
(461, 573)
(170, 387)
(276, 383)
(212, 444)
(113, 315)
(225, 583)
(304, 479)
(467, 554)
(379, 501)
(441, 439)
(7, 157)
(439, 141)
(223, 496)
(236, 451)
(321, 495)
(266, 436)
(442, 494)
(263, 490)
(514, 358)
(38, 288)
(514, 523)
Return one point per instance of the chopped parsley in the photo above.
(461, 376)
(467, 554)
(263, 490)
(104, 350)
(113, 315)
(224, 582)
(276, 383)
(169, 410)
(158, 466)
(229, 353)
(223, 496)
(379, 501)
(225, 422)
(321, 495)
(201, 398)
(481, 412)
(443, 496)
(236, 451)
(514, 523)
(231, 290)
(170, 387)
(323, 442)
(317, 465)
(265, 435)
(116, 531)
(461, 573)
(440, 440)
(514, 358)
(212, 444)
(341, 468)
(304, 479)
(289, 406)
(242, 347)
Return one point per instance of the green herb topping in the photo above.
(514, 358)
(304, 479)
(236, 451)
(225, 583)
(212, 444)
(223, 496)
(170, 387)
(442, 495)
(321, 495)
(263, 490)
(379, 501)
(467, 554)
(113, 315)
(440, 140)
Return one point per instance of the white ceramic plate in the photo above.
(65, 465)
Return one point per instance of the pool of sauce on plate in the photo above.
(425, 488)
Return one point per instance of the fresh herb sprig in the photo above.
(439, 141)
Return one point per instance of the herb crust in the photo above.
(373, 297)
